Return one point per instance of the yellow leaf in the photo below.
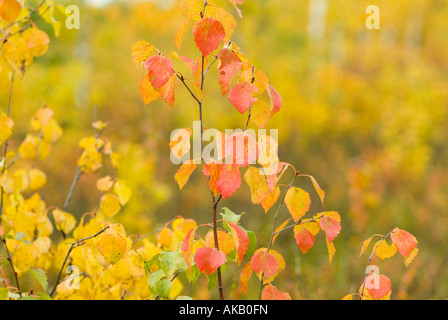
(331, 250)
(64, 221)
(37, 41)
(164, 237)
(122, 191)
(141, 51)
(384, 250)
(115, 160)
(257, 184)
(6, 125)
(91, 160)
(147, 91)
(113, 244)
(110, 205)
(37, 178)
(410, 257)
(365, 244)
(29, 148)
(52, 131)
(104, 184)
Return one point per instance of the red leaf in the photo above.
(305, 240)
(160, 70)
(188, 248)
(271, 292)
(405, 241)
(208, 35)
(276, 99)
(241, 96)
(383, 288)
(209, 259)
(241, 241)
(241, 149)
(266, 263)
(229, 180)
(331, 227)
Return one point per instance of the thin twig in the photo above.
(16, 277)
(210, 65)
(72, 246)
(79, 172)
(182, 79)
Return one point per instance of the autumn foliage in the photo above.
(103, 260)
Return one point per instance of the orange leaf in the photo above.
(276, 99)
(178, 38)
(241, 241)
(271, 292)
(188, 247)
(167, 91)
(183, 174)
(229, 180)
(9, 10)
(147, 91)
(245, 275)
(208, 35)
(225, 241)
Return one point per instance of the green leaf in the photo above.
(43, 296)
(4, 294)
(252, 243)
(172, 263)
(192, 275)
(231, 216)
(184, 298)
(212, 280)
(40, 276)
(163, 288)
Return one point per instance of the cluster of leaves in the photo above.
(21, 39)
(212, 30)
(379, 286)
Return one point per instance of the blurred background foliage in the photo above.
(364, 112)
